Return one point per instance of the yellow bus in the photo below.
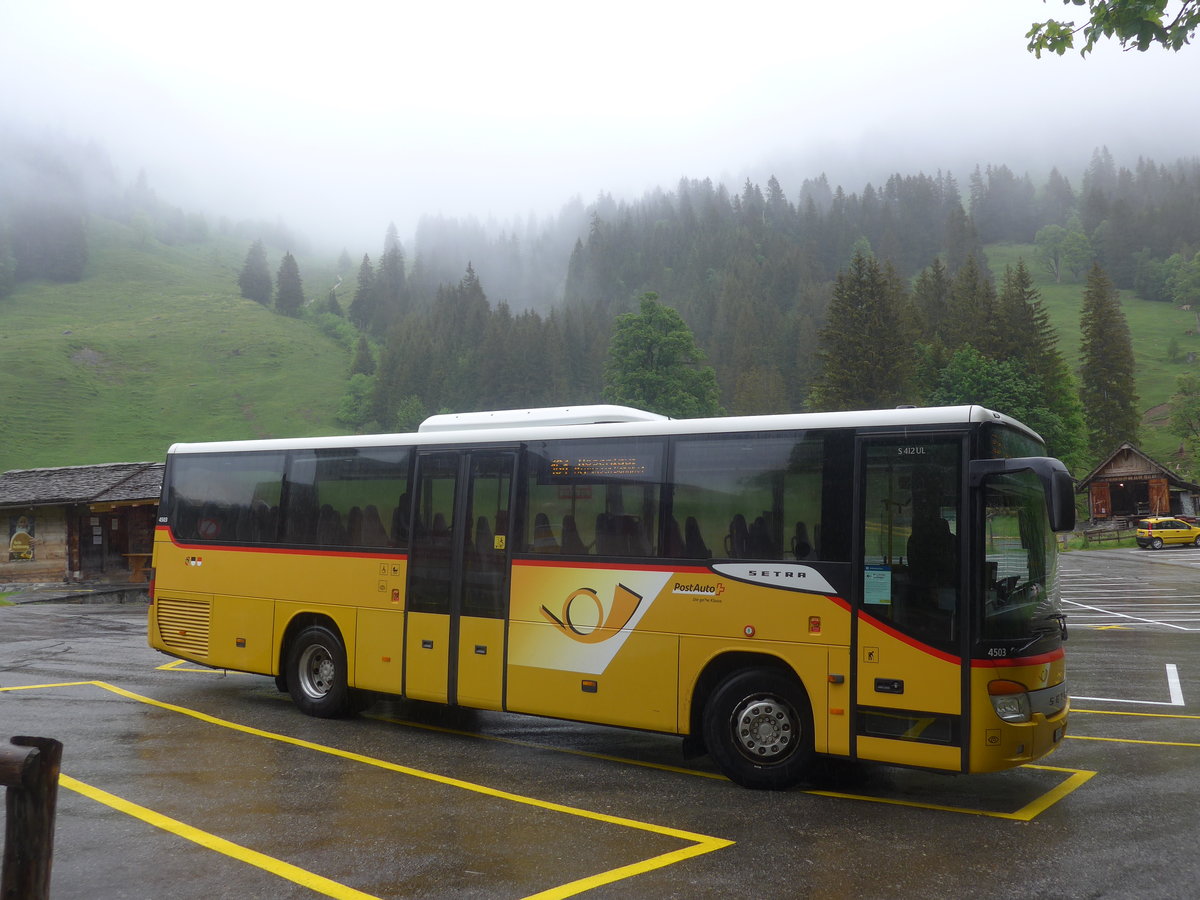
(875, 585)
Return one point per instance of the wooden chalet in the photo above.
(1129, 485)
(79, 523)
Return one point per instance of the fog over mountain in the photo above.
(340, 119)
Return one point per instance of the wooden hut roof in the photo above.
(1149, 467)
(104, 483)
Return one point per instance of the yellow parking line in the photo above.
(587, 754)
(1080, 737)
(38, 687)
(1025, 814)
(210, 841)
(1117, 712)
(700, 843)
(177, 665)
(1031, 810)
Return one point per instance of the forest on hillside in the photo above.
(753, 274)
(473, 316)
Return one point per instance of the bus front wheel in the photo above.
(758, 728)
(316, 673)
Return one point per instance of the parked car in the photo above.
(1158, 532)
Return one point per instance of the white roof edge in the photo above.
(553, 415)
(516, 432)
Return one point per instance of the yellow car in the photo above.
(1162, 530)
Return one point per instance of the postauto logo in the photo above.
(583, 618)
(624, 605)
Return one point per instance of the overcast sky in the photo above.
(342, 116)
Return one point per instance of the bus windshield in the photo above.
(1022, 613)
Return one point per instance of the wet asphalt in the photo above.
(186, 783)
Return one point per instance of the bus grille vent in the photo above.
(184, 625)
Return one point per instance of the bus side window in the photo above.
(802, 548)
(543, 536)
(234, 487)
(694, 546)
(744, 490)
(400, 514)
(598, 496)
(572, 541)
(373, 532)
(334, 497)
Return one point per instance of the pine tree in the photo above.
(961, 239)
(1027, 339)
(255, 278)
(362, 307)
(866, 352)
(970, 317)
(1058, 200)
(391, 291)
(333, 306)
(1106, 368)
(364, 359)
(289, 292)
(931, 298)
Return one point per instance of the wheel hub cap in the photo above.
(764, 728)
(317, 672)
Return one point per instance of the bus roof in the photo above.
(557, 415)
(515, 426)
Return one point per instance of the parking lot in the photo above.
(185, 783)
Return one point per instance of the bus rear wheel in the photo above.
(316, 673)
(758, 728)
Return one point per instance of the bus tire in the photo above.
(316, 673)
(758, 728)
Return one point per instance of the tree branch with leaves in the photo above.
(1136, 24)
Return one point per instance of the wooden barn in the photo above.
(1129, 485)
(79, 523)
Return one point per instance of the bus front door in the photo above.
(458, 577)
(909, 668)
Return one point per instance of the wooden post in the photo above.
(29, 770)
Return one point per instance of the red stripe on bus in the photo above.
(638, 567)
(282, 551)
(911, 641)
(1019, 660)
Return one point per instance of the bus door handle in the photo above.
(426, 644)
(889, 686)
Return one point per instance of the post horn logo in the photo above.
(624, 605)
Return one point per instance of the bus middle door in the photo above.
(458, 577)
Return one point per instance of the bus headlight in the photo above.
(1010, 700)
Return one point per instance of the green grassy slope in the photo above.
(1152, 326)
(154, 346)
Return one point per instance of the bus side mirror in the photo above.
(1057, 484)
(1061, 505)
